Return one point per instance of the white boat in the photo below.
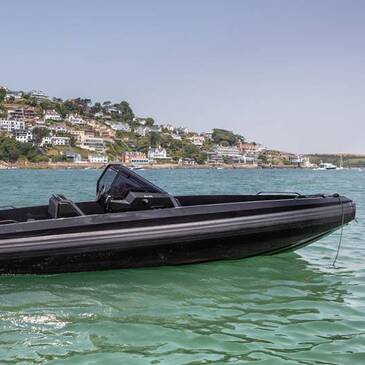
(327, 166)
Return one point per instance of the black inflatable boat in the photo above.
(133, 223)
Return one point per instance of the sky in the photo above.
(289, 74)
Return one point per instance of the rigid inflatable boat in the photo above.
(133, 223)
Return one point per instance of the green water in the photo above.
(287, 309)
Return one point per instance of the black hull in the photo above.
(170, 236)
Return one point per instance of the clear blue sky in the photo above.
(289, 74)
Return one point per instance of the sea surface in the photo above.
(293, 308)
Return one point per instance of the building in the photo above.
(38, 95)
(142, 130)
(93, 144)
(197, 140)
(55, 141)
(157, 154)
(187, 161)
(225, 151)
(120, 127)
(16, 95)
(24, 135)
(168, 127)
(249, 147)
(98, 159)
(52, 115)
(134, 158)
(75, 119)
(28, 115)
(58, 128)
(176, 137)
(11, 125)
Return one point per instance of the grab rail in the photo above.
(279, 193)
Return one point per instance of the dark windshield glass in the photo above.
(126, 182)
(107, 179)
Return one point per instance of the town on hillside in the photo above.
(35, 128)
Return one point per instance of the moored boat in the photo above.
(134, 223)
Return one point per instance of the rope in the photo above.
(341, 233)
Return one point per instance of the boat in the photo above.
(133, 223)
(326, 166)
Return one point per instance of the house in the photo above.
(176, 137)
(93, 144)
(157, 154)
(98, 159)
(75, 119)
(187, 161)
(38, 95)
(11, 125)
(134, 158)
(16, 95)
(168, 127)
(142, 130)
(23, 135)
(27, 115)
(219, 153)
(52, 115)
(58, 128)
(120, 127)
(55, 141)
(197, 140)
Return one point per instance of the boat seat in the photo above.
(61, 207)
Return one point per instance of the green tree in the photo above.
(2, 94)
(39, 133)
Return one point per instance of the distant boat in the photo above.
(327, 166)
(136, 168)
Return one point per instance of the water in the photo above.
(292, 308)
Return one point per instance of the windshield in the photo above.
(117, 181)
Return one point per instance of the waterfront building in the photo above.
(158, 153)
(134, 158)
(98, 159)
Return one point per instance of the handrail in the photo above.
(279, 192)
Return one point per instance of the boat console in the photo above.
(119, 189)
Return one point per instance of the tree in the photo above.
(155, 139)
(2, 94)
(39, 133)
(126, 112)
(150, 122)
(224, 137)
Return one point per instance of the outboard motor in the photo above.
(120, 189)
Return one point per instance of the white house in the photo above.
(176, 137)
(157, 154)
(121, 127)
(16, 95)
(75, 119)
(93, 144)
(55, 141)
(58, 128)
(52, 115)
(11, 125)
(197, 140)
(38, 95)
(23, 136)
(98, 159)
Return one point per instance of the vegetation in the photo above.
(225, 138)
(12, 151)
(348, 160)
